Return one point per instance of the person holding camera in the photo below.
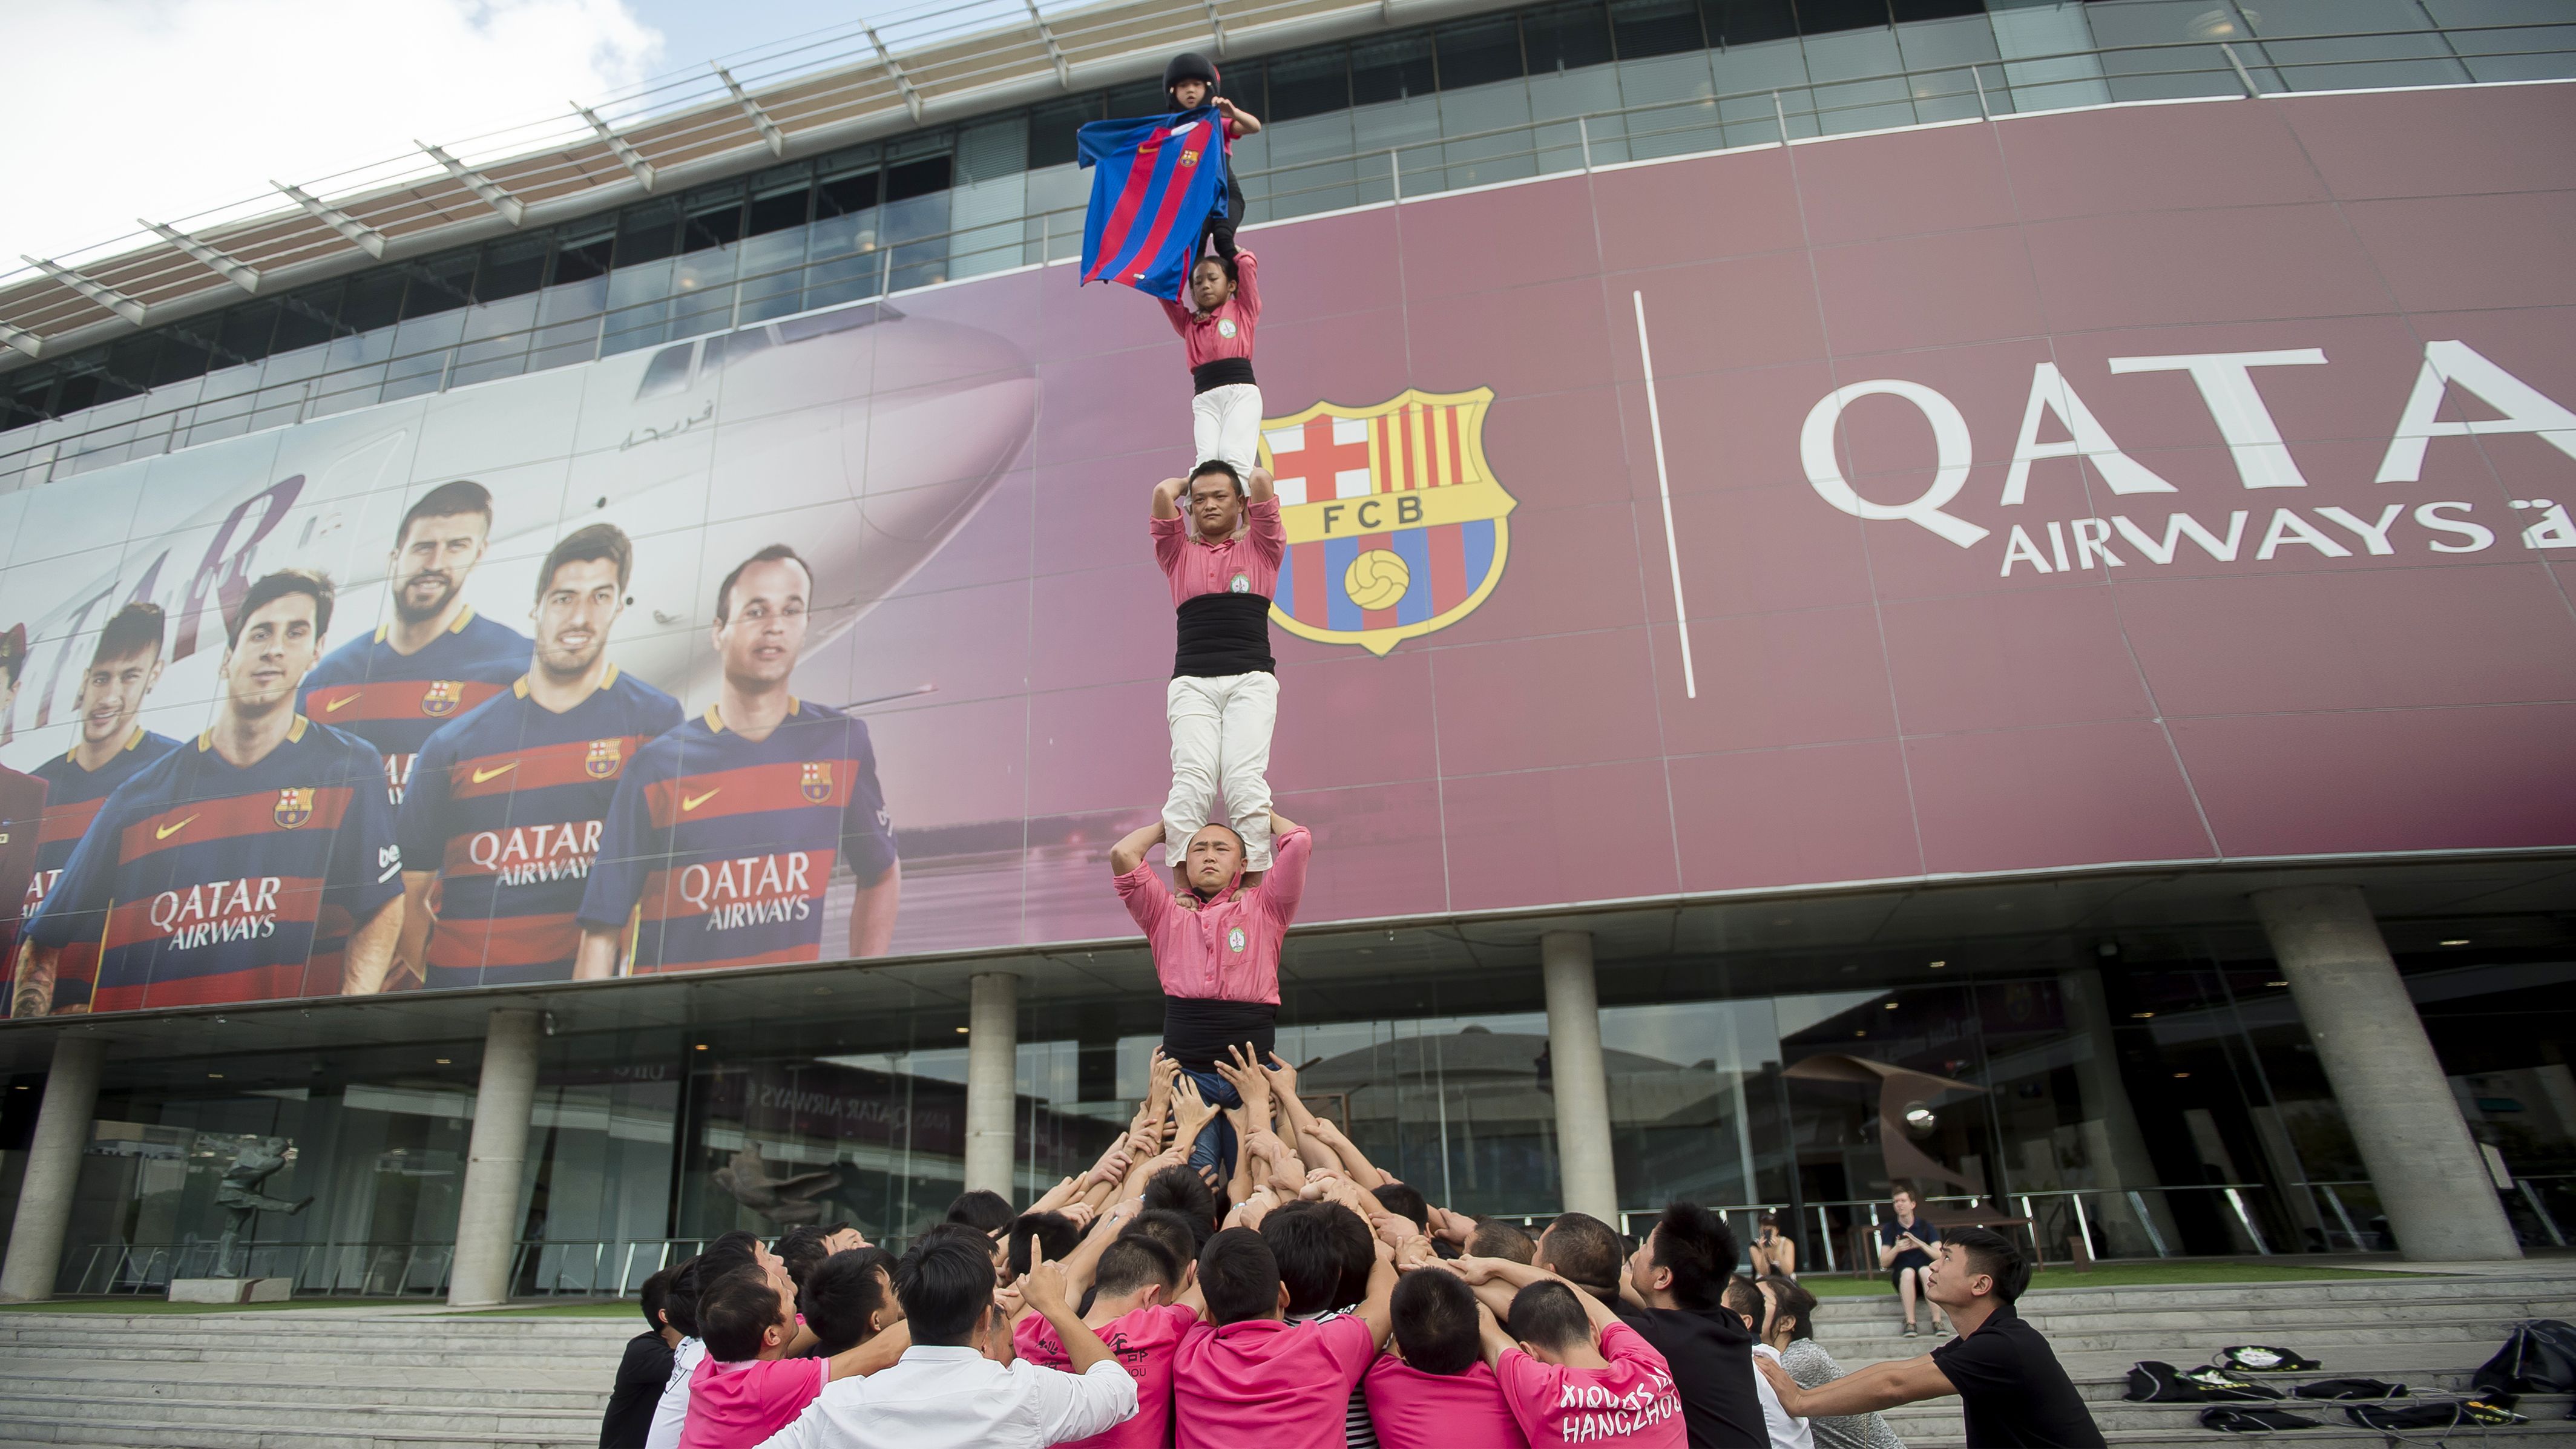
(1906, 1243)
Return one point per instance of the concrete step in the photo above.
(120, 1385)
(358, 1420)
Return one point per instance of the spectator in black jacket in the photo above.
(642, 1372)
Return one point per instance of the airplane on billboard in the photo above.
(863, 436)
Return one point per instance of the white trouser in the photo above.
(1225, 422)
(1221, 734)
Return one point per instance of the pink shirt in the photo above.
(1227, 331)
(1416, 1410)
(1226, 949)
(1143, 1343)
(1630, 1403)
(1247, 563)
(1262, 1382)
(736, 1405)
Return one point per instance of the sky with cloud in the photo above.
(164, 108)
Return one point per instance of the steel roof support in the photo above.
(1055, 52)
(105, 296)
(512, 211)
(632, 159)
(364, 237)
(22, 339)
(911, 95)
(769, 131)
(240, 274)
(1216, 22)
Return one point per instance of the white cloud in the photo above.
(162, 108)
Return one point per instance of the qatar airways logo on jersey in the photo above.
(751, 890)
(535, 854)
(398, 776)
(218, 912)
(37, 884)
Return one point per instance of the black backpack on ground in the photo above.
(2538, 1357)
(2255, 1421)
(2152, 1381)
(2261, 1358)
(2350, 1389)
(2436, 1414)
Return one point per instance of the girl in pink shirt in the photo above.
(1216, 333)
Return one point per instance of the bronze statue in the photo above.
(240, 1197)
(787, 1201)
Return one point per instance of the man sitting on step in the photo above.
(2012, 1391)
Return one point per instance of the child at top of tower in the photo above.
(1216, 332)
(1191, 80)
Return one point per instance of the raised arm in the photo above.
(1129, 852)
(1862, 1391)
(1257, 487)
(1292, 1110)
(1245, 122)
(877, 1353)
(1167, 497)
(1490, 1338)
(1377, 1309)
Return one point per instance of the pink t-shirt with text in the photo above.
(1277, 1385)
(736, 1405)
(1630, 1403)
(1144, 1343)
(1416, 1410)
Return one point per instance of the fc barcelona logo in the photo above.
(442, 697)
(1395, 525)
(817, 783)
(604, 758)
(294, 807)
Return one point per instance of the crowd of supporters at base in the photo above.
(1294, 1295)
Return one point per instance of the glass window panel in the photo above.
(440, 284)
(582, 257)
(714, 222)
(1144, 98)
(1566, 37)
(374, 300)
(1642, 28)
(1390, 70)
(181, 356)
(842, 195)
(1906, 10)
(1478, 52)
(1744, 22)
(1505, 155)
(246, 330)
(2169, 67)
(647, 233)
(916, 178)
(511, 268)
(2374, 48)
(1309, 83)
(1817, 17)
(307, 317)
(1052, 129)
(497, 336)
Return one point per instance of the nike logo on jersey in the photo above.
(166, 831)
(330, 706)
(482, 775)
(692, 802)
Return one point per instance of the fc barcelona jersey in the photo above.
(396, 701)
(718, 848)
(507, 805)
(72, 799)
(203, 883)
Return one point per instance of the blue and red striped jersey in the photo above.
(507, 805)
(396, 701)
(205, 883)
(718, 848)
(1154, 182)
(72, 799)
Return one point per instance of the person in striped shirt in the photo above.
(505, 806)
(258, 862)
(437, 658)
(108, 749)
(727, 830)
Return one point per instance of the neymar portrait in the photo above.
(1396, 525)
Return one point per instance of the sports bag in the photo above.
(2538, 1357)
(2350, 1389)
(2258, 1358)
(2434, 1414)
(2255, 1421)
(2152, 1381)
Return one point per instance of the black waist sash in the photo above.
(1196, 1033)
(1220, 372)
(1222, 634)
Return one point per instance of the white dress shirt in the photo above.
(953, 1398)
(1786, 1432)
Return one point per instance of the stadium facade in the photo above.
(2019, 642)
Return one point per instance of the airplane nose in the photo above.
(953, 407)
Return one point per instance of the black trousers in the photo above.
(1219, 231)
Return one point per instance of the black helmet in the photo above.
(1189, 65)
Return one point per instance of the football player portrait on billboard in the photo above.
(726, 830)
(437, 658)
(505, 806)
(257, 861)
(22, 802)
(108, 748)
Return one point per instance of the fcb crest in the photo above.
(604, 758)
(442, 697)
(294, 807)
(817, 781)
(1396, 526)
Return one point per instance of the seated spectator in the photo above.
(1246, 1376)
(1790, 1331)
(643, 1371)
(1433, 1389)
(1572, 1373)
(1774, 1253)
(1905, 1246)
(2012, 1390)
(1748, 1302)
(956, 1386)
(1495, 1238)
(1132, 1285)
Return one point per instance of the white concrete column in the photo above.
(53, 1169)
(2431, 1177)
(1587, 1180)
(992, 1081)
(487, 1212)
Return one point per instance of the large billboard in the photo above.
(2163, 483)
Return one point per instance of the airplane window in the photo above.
(733, 347)
(669, 372)
(801, 329)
